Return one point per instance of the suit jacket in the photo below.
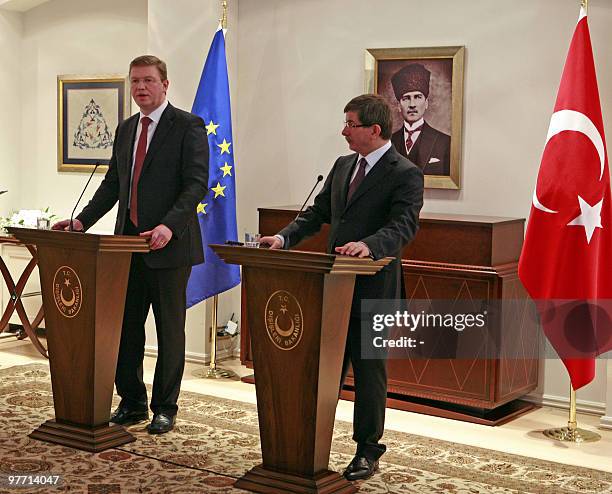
(174, 178)
(383, 213)
(430, 152)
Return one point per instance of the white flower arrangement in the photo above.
(26, 218)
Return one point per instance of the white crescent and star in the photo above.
(590, 216)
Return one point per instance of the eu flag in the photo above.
(216, 211)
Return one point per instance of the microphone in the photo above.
(83, 192)
(319, 179)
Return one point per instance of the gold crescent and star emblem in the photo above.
(67, 291)
(280, 331)
(284, 320)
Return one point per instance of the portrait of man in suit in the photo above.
(371, 199)
(420, 142)
(158, 173)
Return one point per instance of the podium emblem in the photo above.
(284, 320)
(67, 291)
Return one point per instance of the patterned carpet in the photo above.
(217, 440)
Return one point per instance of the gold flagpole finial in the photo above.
(223, 19)
(585, 4)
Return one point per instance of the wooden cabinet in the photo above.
(452, 257)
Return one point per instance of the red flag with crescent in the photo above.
(566, 261)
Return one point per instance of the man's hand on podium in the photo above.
(355, 249)
(77, 226)
(272, 242)
(158, 237)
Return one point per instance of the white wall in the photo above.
(69, 37)
(11, 27)
(302, 60)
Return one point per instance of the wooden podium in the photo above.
(83, 278)
(298, 312)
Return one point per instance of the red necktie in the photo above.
(409, 142)
(141, 152)
(358, 178)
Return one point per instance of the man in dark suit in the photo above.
(372, 200)
(158, 172)
(425, 146)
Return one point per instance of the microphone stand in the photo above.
(319, 178)
(71, 227)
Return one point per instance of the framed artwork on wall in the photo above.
(425, 87)
(89, 108)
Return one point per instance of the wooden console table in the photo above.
(15, 290)
(452, 257)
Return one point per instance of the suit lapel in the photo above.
(375, 175)
(126, 163)
(163, 127)
(344, 178)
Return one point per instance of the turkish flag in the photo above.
(566, 261)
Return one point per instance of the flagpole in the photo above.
(213, 338)
(223, 19)
(212, 371)
(572, 433)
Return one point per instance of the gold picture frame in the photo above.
(89, 108)
(443, 67)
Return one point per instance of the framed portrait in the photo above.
(424, 86)
(89, 108)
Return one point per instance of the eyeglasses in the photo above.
(352, 125)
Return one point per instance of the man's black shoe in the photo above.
(125, 416)
(360, 468)
(161, 423)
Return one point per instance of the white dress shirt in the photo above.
(155, 116)
(415, 135)
(372, 158)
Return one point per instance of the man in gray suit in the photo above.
(418, 141)
(371, 199)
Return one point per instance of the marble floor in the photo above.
(521, 436)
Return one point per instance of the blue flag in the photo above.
(216, 211)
